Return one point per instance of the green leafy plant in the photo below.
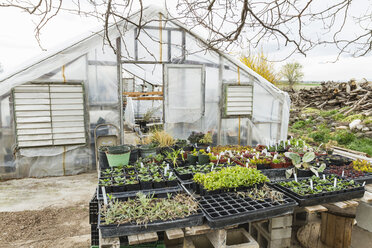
(302, 163)
(302, 187)
(144, 209)
(173, 156)
(262, 193)
(230, 177)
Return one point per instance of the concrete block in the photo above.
(364, 216)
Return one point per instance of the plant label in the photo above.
(196, 145)
(343, 172)
(275, 156)
(323, 177)
(228, 160)
(170, 175)
(212, 167)
(141, 165)
(295, 177)
(165, 171)
(104, 195)
(208, 149)
(311, 183)
(335, 183)
(246, 165)
(364, 183)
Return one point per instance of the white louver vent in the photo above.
(49, 114)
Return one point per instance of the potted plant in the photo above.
(192, 157)
(302, 166)
(147, 147)
(132, 183)
(118, 155)
(195, 137)
(173, 156)
(203, 157)
(145, 181)
(163, 140)
(278, 163)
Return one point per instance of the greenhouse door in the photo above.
(184, 93)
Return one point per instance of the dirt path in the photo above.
(46, 212)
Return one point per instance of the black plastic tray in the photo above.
(114, 230)
(326, 197)
(93, 209)
(109, 231)
(226, 209)
(133, 193)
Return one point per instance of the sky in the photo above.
(18, 44)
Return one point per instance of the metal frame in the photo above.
(166, 83)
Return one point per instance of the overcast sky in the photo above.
(18, 44)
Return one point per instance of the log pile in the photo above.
(356, 96)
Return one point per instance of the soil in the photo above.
(46, 212)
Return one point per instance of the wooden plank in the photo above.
(175, 233)
(151, 93)
(368, 187)
(133, 239)
(367, 198)
(148, 98)
(348, 229)
(340, 229)
(147, 237)
(330, 231)
(197, 230)
(316, 208)
(32, 113)
(345, 204)
(323, 227)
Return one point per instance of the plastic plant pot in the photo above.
(147, 151)
(118, 155)
(192, 159)
(304, 173)
(133, 155)
(103, 163)
(203, 159)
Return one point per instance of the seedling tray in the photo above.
(114, 230)
(160, 191)
(227, 209)
(324, 197)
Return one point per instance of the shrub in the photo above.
(327, 113)
(343, 137)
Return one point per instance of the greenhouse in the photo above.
(51, 105)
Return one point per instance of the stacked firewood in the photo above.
(356, 96)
